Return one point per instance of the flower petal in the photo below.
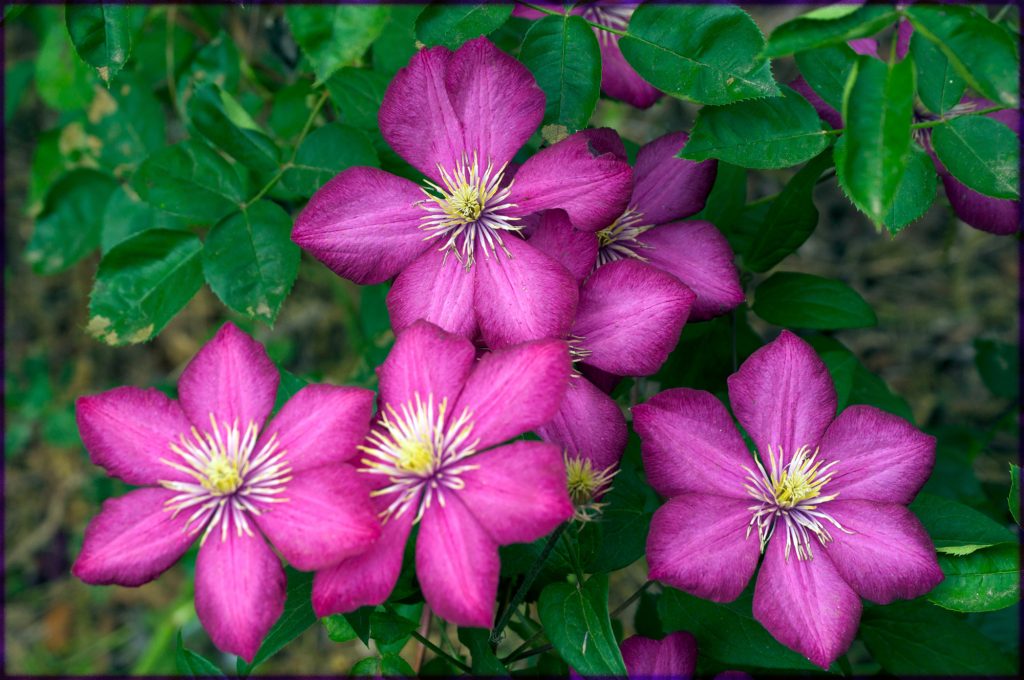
(699, 543)
(620, 80)
(879, 456)
(133, 540)
(231, 378)
(826, 111)
(327, 517)
(805, 604)
(417, 118)
(588, 424)
(574, 249)
(674, 656)
(496, 98)
(689, 444)
(887, 556)
(365, 579)
(517, 492)
(514, 390)
(668, 188)
(783, 396)
(630, 316)
(457, 564)
(128, 430)
(240, 591)
(592, 185)
(364, 224)
(436, 288)
(428, 362)
(697, 254)
(523, 295)
(995, 215)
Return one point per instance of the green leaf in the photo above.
(980, 152)
(358, 93)
(983, 54)
(189, 179)
(727, 632)
(791, 218)
(575, 617)
(855, 384)
(388, 665)
(796, 300)
(915, 192)
(914, 638)
(1013, 499)
(998, 364)
(826, 70)
(715, 60)
(484, 662)
(69, 226)
(101, 35)
(956, 529)
(360, 622)
(388, 628)
(208, 112)
(333, 36)
(338, 628)
(452, 25)
(326, 152)
(878, 108)
(63, 81)
(290, 109)
(563, 54)
(17, 78)
(763, 133)
(294, 620)
(939, 86)
(368, 666)
(983, 581)
(127, 123)
(818, 30)
(194, 665)
(396, 45)
(142, 283)
(250, 262)
(217, 62)
(125, 216)
(728, 196)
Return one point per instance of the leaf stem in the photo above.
(631, 599)
(600, 27)
(430, 645)
(528, 580)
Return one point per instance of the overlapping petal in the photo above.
(667, 188)
(436, 288)
(588, 424)
(621, 81)
(425, 361)
(555, 236)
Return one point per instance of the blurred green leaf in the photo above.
(358, 93)
(388, 665)
(360, 622)
(915, 192)
(63, 81)
(17, 78)
(194, 665)
(855, 384)
(397, 43)
(333, 36)
(826, 70)
(101, 34)
(217, 62)
(338, 628)
(207, 109)
(290, 109)
(816, 29)
(956, 529)
(125, 216)
(127, 123)
(189, 179)
(324, 153)
(939, 86)
(1013, 499)
(980, 152)
(795, 300)
(452, 25)
(998, 364)
(69, 226)
(294, 620)
(575, 618)
(727, 198)
(716, 60)
(985, 580)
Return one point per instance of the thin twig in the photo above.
(631, 599)
(528, 580)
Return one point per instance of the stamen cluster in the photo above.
(621, 238)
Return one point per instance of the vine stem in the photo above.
(631, 599)
(430, 645)
(528, 580)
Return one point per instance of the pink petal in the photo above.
(240, 591)
(231, 378)
(605, 140)
(865, 46)
(668, 188)
(697, 254)
(619, 80)
(133, 540)
(674, 656)
(436, 288)
(826, 111)
(591, 184)
(603, 380)
(783, 396)
(995, 215)
(904, 32)
(367, 578)
(699, 543)
(514, 390)
(496, 98)
(588, 424)
(689, 444)
(523, 295)
(630, 316)
(417, 118)
(517, 492)
(879, 456)
(805, 604)
(574, 249)
(127, 432)
(321, 425)
(364, 224)
(457, 564)
(327, 517)
(887, 556)
(425, 361)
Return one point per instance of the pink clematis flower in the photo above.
(211, 470)
(824, 499)
(435, 459)
(673, 656)
(454, 244)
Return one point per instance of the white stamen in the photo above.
(621, 239)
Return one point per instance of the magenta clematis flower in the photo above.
(211, 470)
(673, 656)
(454, 244)
(435, 461)
(824, 500)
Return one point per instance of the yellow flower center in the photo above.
(415, 455)
(222, 476)
(586, 483)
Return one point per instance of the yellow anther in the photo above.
(415, 455)
(222, 476)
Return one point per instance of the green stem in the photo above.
(531, 652)
(933, 123)
(600, 27)
(430, 645)
(631, 599)
(528, 580)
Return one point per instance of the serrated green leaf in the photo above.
(208, 113)
(982, 153)
(217, 62)
(63, 81)
(1013, 499)
(483, 660)
(809, 31)
(358, 93)
(189, 179)
(998, 364)
(69, 226)
(142, 283)
(294, 620)
(125, 216)
(250, 261)
(563, 55)
(127, 124)
(982, 581)
(101, 34)
(575, 617)
(955, 528)
(715, 60)
(368, 666)
(333, 36)
(826, 70)
(939, 86)
(338, 628)
(324, 153)
(914, 194)
(795, 300)
(360, 622)
(194, 665)
(763, 133)
(452, 25)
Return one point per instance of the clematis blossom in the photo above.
(213, 470)
(673, 656)
(454, 243)
(824, 499)
(436, 459)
